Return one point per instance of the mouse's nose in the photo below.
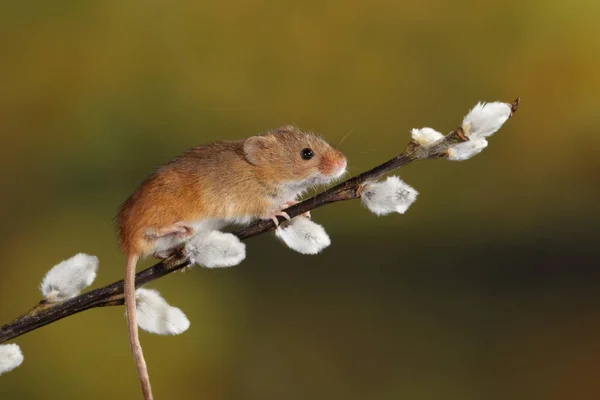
(340, 165)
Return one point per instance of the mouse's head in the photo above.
(293, 157)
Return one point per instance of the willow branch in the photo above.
(45, 312)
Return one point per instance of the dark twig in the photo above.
(112, 295)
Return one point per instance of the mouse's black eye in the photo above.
(307, 154)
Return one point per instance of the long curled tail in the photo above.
(134, 338)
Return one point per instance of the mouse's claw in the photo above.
(273, 216)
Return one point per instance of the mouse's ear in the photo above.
(255, 148)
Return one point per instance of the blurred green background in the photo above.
(486, 289)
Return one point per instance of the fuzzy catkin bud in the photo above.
(465, 150)
(10, 357)
(303, 235)
(213, 249)
(485, 119)
(389, 196)
(66, 279)
(426, 137)
(155, 315)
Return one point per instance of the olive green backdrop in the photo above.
(486, 289)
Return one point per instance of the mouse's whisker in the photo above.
(344, 138)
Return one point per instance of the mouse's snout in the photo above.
(341, 164)
(334, 164)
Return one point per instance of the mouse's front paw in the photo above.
(215, 249)
(274, 214)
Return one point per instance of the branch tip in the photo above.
(514, 106)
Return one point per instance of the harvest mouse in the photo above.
(214, 185)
